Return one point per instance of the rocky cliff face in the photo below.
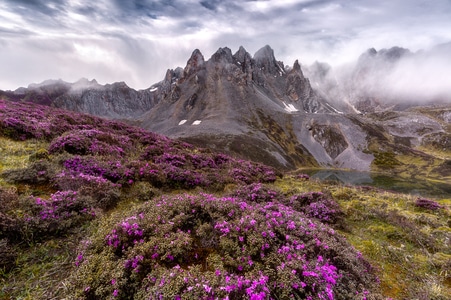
(245, 105)
(115, 100)
(254, 107)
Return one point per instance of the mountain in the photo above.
(240, 103)
(388, 79)
(114, 101)
(256, 108)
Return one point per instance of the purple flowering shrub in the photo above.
(96, 190)
(205, 247)
(317, 205)
(257, 192)
(25, 120)
(124, 154)
(302, 176)
(101, 161)
(427, 204)
(46, 217)
(37, 173)
(92, 141)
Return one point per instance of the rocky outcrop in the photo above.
(245, 105)
(255, 108)
(194, 64)
(330, 138)
(298, 88)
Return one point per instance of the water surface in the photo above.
(419, 187)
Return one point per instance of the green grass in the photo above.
(40, 270)
(17, 154)
(409, 246)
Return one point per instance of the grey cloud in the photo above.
(50, 7)
(147, 37)
(15, 32)
(210, 4)
(38, 13)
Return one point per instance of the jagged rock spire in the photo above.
(223, 54)
(195, 62)
(242, 55)
(297, 69)
(296, 66)
(265, 59)
(265, 63)
(265, 53)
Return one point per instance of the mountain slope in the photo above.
(254, 107)
(97, 209)
(96, 184)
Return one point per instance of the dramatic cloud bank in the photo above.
(137, 40)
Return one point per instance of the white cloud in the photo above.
(136, 41)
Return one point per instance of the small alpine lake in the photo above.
(419, 187)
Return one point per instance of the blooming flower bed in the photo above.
(253, 243)
(207, 247)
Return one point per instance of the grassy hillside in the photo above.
(95, 209)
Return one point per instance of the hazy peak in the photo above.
(265, 52)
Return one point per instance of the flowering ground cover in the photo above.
(199, 246)
(96, 209)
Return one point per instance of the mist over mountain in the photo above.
(256, 107)
(392, 78)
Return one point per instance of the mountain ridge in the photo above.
(256, 108)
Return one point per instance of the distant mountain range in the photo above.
(286, 117)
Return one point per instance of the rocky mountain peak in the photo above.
(394, 53)
(266, 64)
(242, 55)
(84, 83)
(265, 53)
(391, 55)
(266, 61)
(118, 85)
(244, 61)
(172, 75)
(195, 62)
(222, 55)
(297, 69)
(47, 83)
(296, 66)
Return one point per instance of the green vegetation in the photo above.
(93, 209)
(396, 155)
(410, 246)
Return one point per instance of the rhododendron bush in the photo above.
(217, 230)
(207, 247)
(96, 159)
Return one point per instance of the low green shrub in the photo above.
(8, 255)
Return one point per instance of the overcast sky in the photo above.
(136, 41)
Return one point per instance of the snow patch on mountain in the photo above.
(290, 107)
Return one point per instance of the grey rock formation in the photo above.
(254, 107)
